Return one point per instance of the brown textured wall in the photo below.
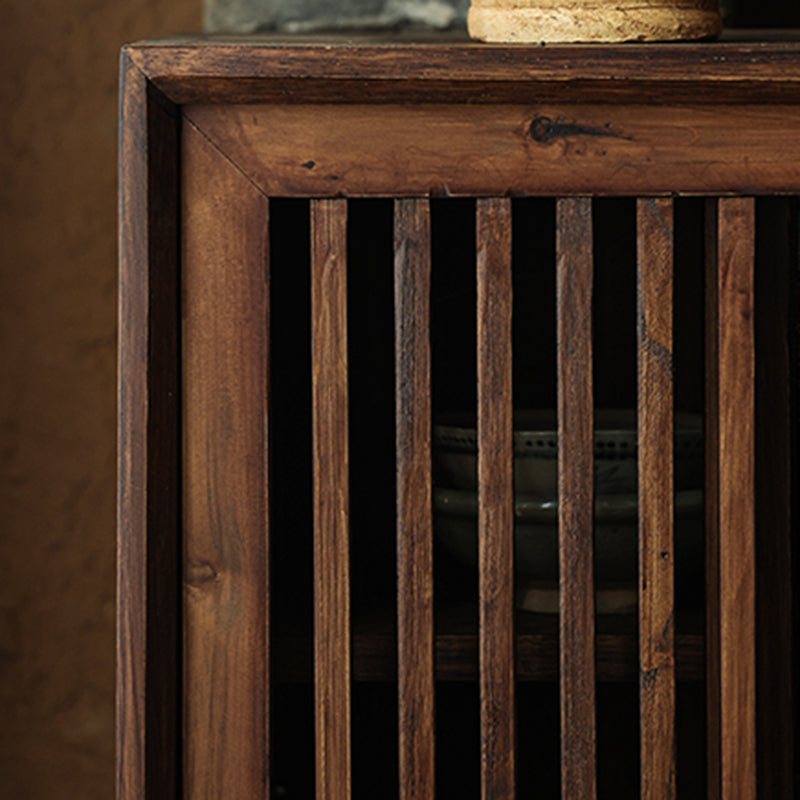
(58, 88)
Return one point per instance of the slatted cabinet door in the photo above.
(217, 674)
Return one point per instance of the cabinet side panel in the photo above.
(148, 501)
(225, 380)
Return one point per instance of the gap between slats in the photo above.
(412, 247)
(332, 646)
(574, 279)
(655, 255)
(496, 500)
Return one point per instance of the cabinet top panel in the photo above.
(754, 67)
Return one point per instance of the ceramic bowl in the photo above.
(455, 452)
(536, 537)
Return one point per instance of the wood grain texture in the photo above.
(574, 280)
(537, 149)
(250, 69)
(332, 656)
(776, 299)
(656, 498)
(225, 379)
(412, 247)
(496, 501)
(731, 490)
(148, 663)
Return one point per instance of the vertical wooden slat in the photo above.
(574, 280)
(412, 248)
(225, 393)
(332, 635)
(730, 550)
(656, 507)
(148, 555)
(496, 500)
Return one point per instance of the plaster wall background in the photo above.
(58, 273)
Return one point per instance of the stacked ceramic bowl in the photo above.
(536, 502)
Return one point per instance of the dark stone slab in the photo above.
(248, 16)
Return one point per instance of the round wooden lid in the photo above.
(593, 20)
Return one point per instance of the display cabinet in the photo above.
(351, 273)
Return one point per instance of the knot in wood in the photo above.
(542, 130)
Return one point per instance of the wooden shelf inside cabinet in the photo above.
(456, 650)
(326, 246)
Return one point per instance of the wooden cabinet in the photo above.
(326, 249)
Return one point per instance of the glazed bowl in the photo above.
(455, 452)
(536, 542)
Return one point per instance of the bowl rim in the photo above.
(607, 507)
(457, 432)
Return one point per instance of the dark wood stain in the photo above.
(545, 130)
